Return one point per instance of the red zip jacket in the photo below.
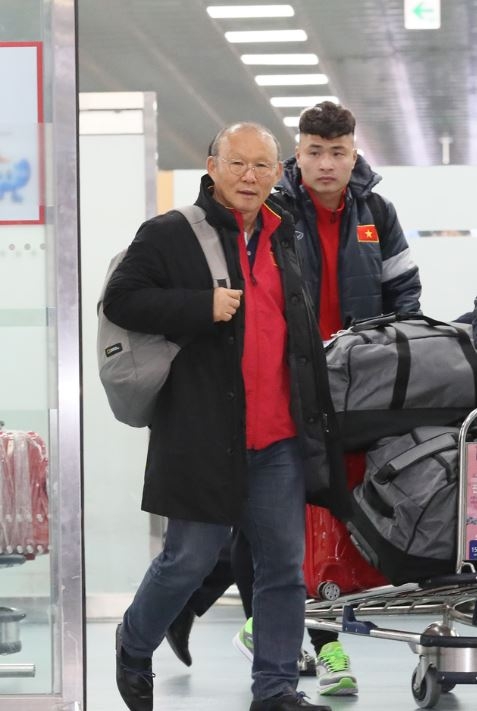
(264, 366)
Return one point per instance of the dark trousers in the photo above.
(191, 549)
(235, 565)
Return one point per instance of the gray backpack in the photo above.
(134, 366)
(405, 512)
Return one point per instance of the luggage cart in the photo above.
(445, 658)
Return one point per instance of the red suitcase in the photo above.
(333, 565)
(23, 494)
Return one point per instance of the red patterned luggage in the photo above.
(23, 494)
(333, 565)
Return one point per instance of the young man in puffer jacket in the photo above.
(356, 262)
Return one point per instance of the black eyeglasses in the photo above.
(239, 167)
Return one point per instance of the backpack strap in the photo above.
(112, 266)
(210, 242)
(378, 210)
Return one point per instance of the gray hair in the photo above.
(247, 125)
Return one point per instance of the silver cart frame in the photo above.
(445, 658)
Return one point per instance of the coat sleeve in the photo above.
(151, 290)
(401, 284)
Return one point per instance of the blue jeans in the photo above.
(273, 522)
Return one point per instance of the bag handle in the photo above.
(395, 317)
(429, 448)
(442, 443)
(363, 324)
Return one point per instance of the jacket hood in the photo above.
(363, 178)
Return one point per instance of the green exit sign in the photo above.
(422, 14)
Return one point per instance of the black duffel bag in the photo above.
(395, 372)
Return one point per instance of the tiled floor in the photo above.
(219, 677)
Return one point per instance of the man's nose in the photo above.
(326, 162)
(250, 173)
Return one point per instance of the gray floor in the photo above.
(219, 677)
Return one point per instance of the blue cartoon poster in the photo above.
(21, 137)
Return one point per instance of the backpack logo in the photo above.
(298, 235)
(111, 350)
(367, 233)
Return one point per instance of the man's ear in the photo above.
(211, 166)
(297, 154)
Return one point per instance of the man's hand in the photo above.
(226, 303)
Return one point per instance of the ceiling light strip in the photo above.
(266, 36)
(245, 11)
(291, 121)
(300, 101)
(291, 79)
(280, 59)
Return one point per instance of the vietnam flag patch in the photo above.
(367, 233)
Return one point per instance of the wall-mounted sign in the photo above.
(422, 14)
(21, 133)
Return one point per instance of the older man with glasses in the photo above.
(225, 448)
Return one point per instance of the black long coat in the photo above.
(196, 463)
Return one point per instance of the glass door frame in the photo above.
(66, 498)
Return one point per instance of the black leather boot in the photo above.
(134, 678)
(178, 635)
(286, 702)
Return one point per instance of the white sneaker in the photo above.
(333, 670)
(243, 640)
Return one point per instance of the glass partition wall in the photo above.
(41, 562)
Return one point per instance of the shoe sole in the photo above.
(238, 644)
(182, 655)
(345, 687)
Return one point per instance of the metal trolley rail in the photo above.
(445, 658)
